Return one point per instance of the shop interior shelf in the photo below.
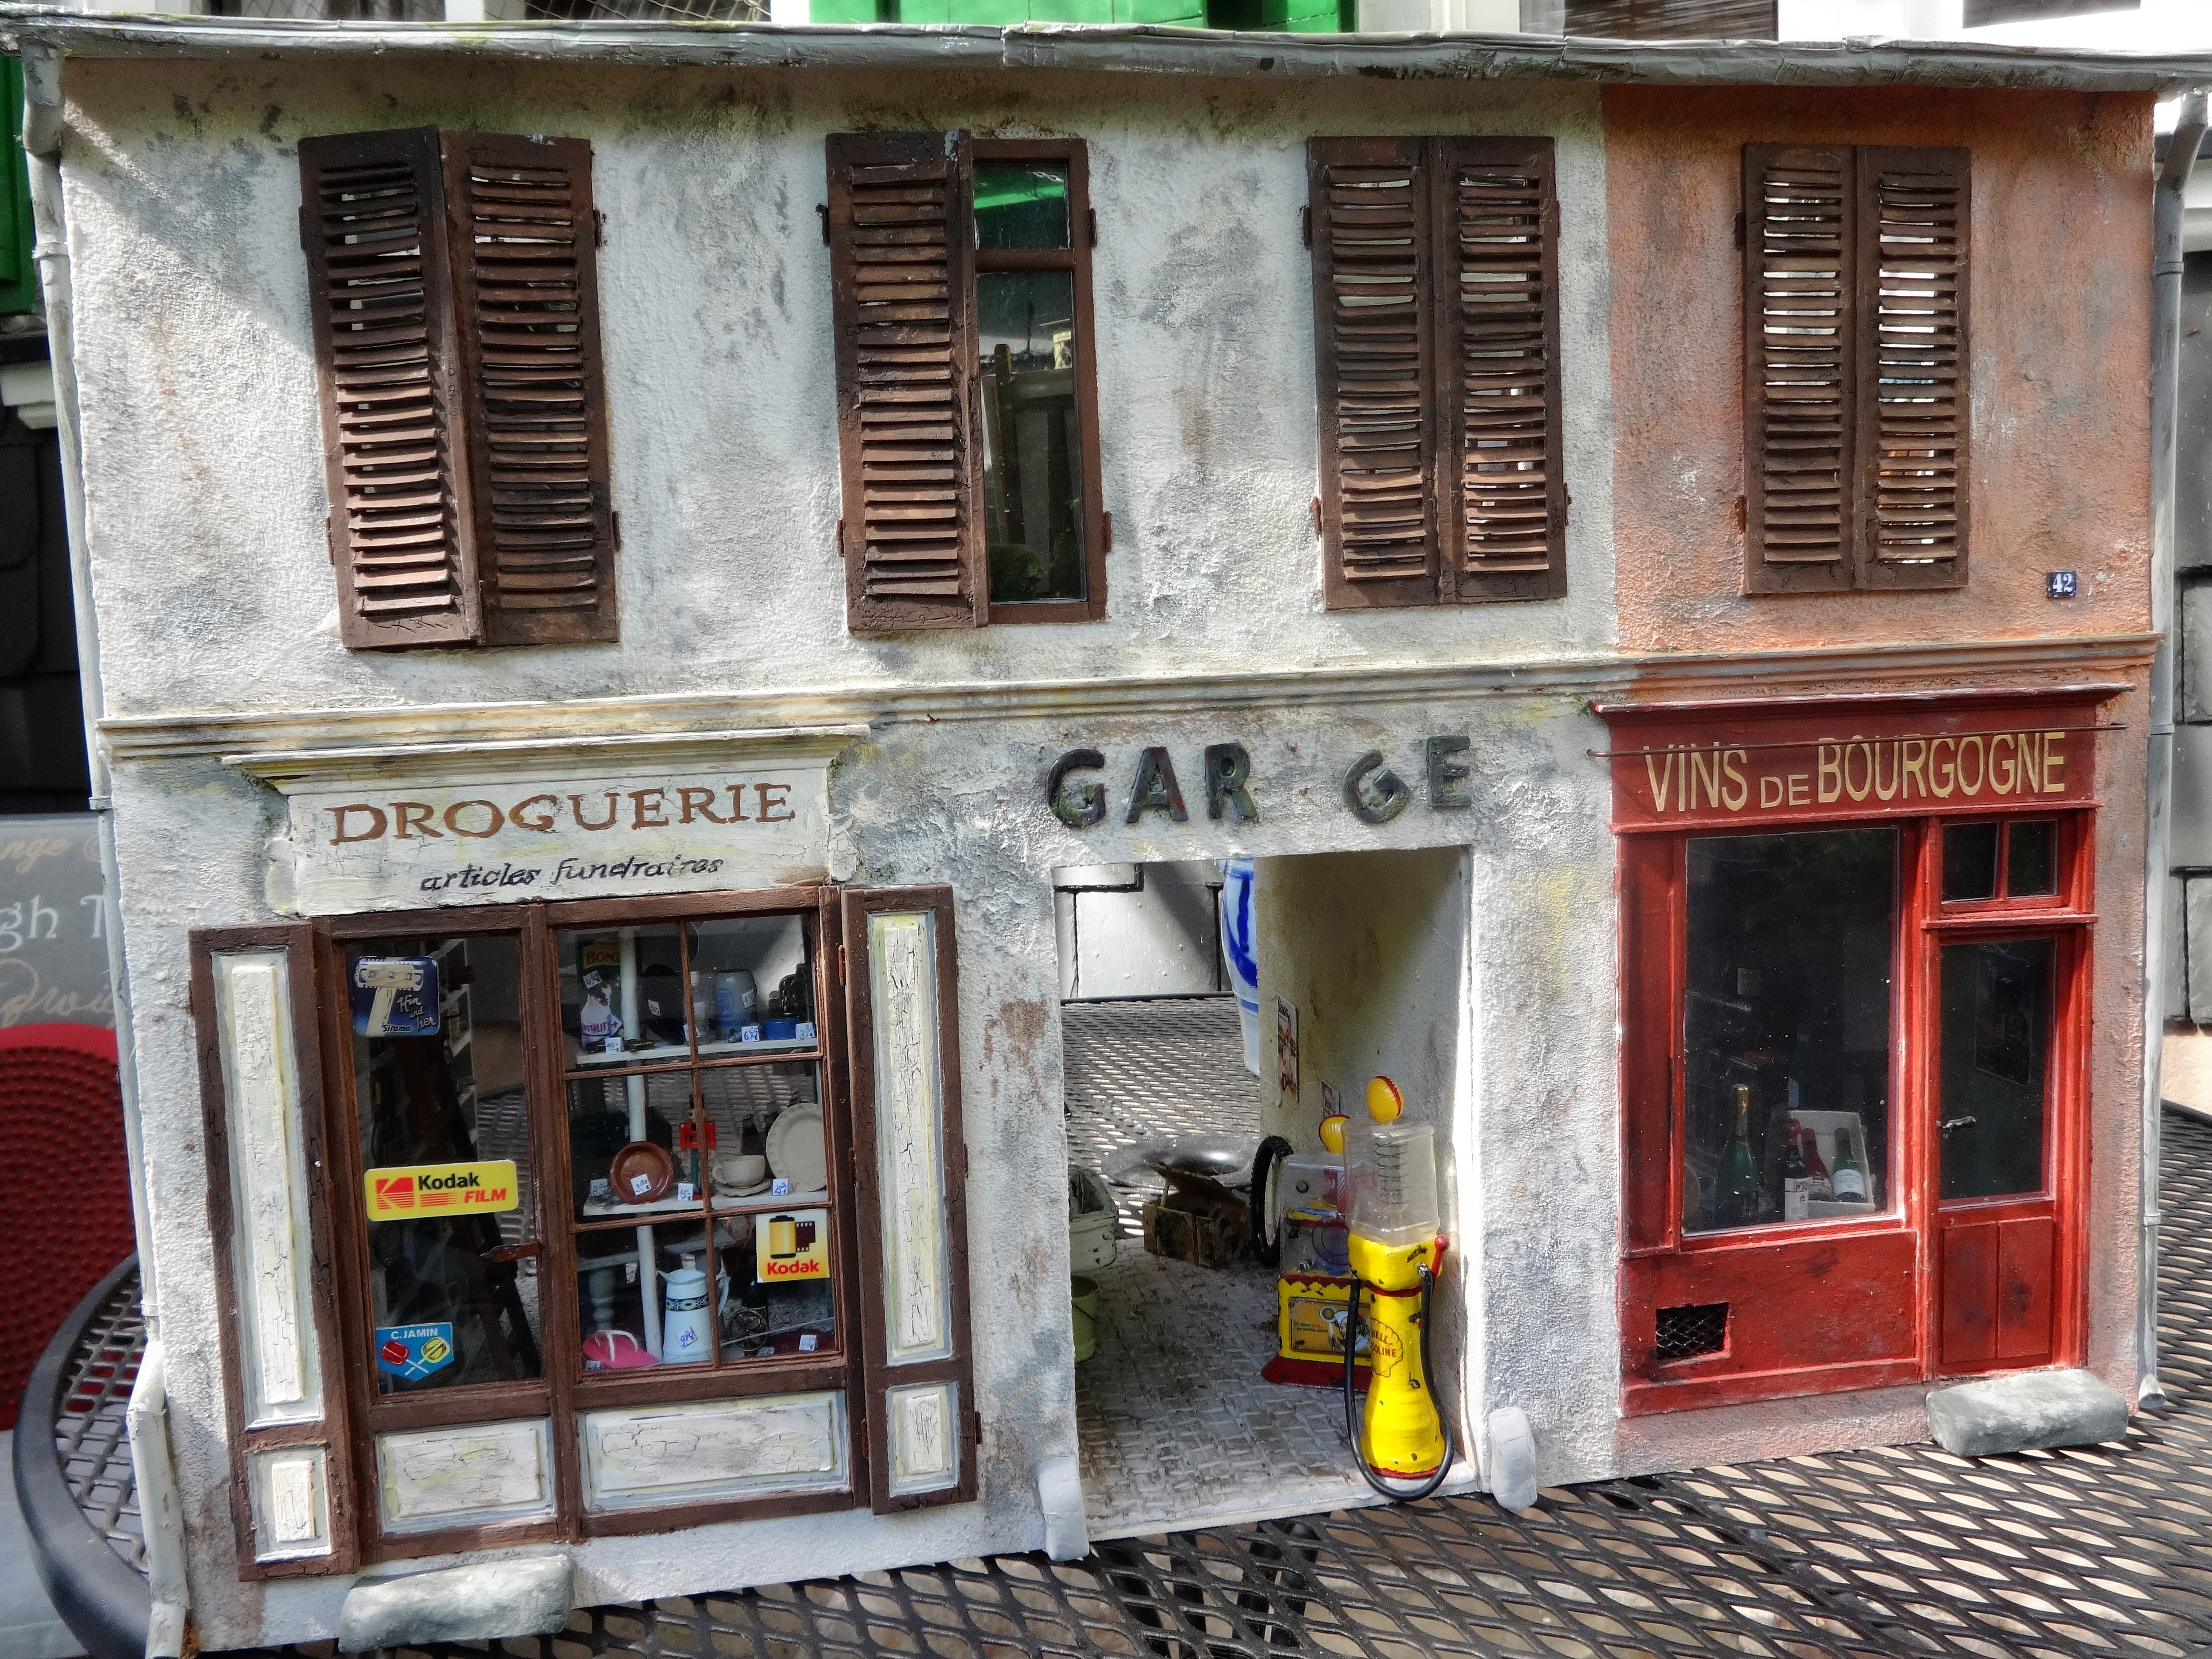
(668, 1053)
(673, 1206)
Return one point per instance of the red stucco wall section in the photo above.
(2059, 330)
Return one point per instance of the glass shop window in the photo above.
(1987, 862)
(439, 1081)
(698, 1156)
(1032, 336)
(1786, 1028)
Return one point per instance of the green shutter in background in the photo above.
(1295, 16)
(19, 279)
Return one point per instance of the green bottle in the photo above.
(1735, 1195)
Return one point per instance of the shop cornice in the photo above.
(272, 743)
(291, 769)
(1864, 61)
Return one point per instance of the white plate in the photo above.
(796, 1150)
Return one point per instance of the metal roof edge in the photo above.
(1143, 48)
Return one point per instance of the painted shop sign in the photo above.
(1676, 767)
(496, 824)
(1372, 790)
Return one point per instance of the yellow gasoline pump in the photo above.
(1395, 1248)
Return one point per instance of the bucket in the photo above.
(1083, 1310)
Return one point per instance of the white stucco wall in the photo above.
(183, 200)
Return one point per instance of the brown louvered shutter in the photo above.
(1372, 226)
(374, 231)
(902, 301)
(1501, 497)
(1912, 416)
(1800, 362)
(527, 296)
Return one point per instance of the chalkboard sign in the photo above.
(54, 917)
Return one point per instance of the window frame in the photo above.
(1082, 236)
(565, 1391)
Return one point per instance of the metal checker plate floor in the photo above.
(2104, 1551)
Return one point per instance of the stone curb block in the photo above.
(2028, 1410)
(526, 1597)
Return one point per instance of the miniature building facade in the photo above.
(589, 899)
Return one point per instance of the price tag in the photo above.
(684, 1192)
(640, 1185)
(602, 1191)
(748, 1033)
(805, 1031)
(780, 1188)
(806, 1341)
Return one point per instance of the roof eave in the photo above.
(1853, 62)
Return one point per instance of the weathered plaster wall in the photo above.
(2059, 329)
(183, 193)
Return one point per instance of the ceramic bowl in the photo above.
(738, 1172)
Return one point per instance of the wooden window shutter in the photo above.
(902, 263)
(1912, 416)
(1501, 487)
(901, 1002)
(373, 225)
(526, 297)
(1372, 232)
(1799, 364)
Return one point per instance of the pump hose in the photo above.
(1428, 1372)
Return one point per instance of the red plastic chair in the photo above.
(66, 1219)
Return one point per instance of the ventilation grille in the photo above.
(1687, 1332)
(1375, 251)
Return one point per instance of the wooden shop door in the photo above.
(2003, 1031)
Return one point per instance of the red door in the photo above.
(1999, 1008)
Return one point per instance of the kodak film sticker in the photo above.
(429, 1191)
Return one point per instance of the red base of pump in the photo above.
(1314, 1373)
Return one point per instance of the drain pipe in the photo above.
(2158, 781)
(163, 1521)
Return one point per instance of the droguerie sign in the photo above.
(378, 844)
(1736, 768)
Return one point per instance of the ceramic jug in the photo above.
(686, 1323)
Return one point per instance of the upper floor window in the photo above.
(457, 344)
(1856, 360)
(1437, 370)
(967, 401)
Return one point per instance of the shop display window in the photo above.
(599, 1220)
(1786, 1031)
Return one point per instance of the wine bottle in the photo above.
(1849, 1177)
(1795, 1183)
(1735, 1195)
(1818, 1185)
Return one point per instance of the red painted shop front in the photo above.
(1855, 961)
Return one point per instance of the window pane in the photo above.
(1970, 862)
(1786, 1028)
(755, 977)
(1997, 1019)
(437, 1080)
(1032, 435)
(1020, 205)
(622, 997)
(2031, 865)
